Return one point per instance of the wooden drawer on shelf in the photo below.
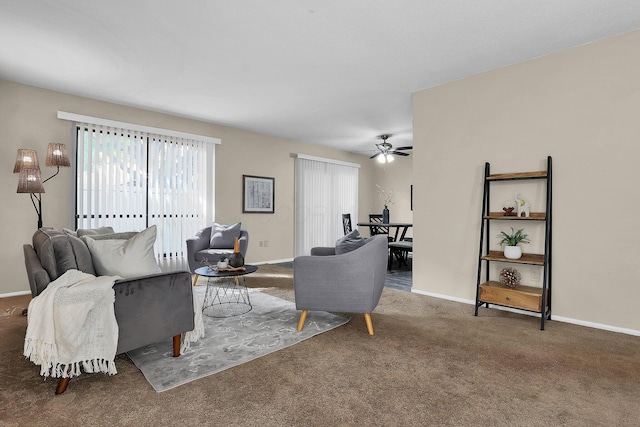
(523, 297)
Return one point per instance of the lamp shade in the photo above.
(57, 155)
(30, 181)
(26, 159)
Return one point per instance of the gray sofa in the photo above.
(351, 282)
(148, 309)
(198, 248)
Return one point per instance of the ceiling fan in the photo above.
(386, 151)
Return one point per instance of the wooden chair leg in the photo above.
(303, 317)
(62, 385)
(176, 345)
(195, 279)
(367, 319)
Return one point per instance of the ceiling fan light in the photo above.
(381, 158)
(389, 158)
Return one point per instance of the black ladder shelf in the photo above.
(525, 298)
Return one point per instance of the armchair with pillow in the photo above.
(149, 305)
(215, 243)
(348, 278)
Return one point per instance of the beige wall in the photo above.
(580, 106)
(28, 120)
(396, 177)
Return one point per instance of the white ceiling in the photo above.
(330, 72)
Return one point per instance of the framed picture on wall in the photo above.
(258, 194)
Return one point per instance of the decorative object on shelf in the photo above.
(30, 179)
(510, 277)
(512, 250)
(508, 211)
(523, 206)
(236, 259)
(258, 194)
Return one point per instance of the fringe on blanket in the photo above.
(41, 354)
(198, 327)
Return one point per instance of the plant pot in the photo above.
(512, 252)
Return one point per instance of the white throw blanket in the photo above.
(72, 325)
(198, 326)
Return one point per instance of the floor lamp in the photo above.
(30, 179)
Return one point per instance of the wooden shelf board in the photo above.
(533, 259)
(533, 290)
(534, 216)
(517, 175)
(521, 297)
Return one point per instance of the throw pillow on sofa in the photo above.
(349, 242)
(224, 236)
(125, 258)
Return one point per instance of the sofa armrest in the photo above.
(323, 251)
(38, 277)
(153, 308)
(243, 240)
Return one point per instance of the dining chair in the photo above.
(346, 223)
(376, 229)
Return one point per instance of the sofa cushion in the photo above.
(224, 236)
(59, 252)
(94, 231)
(125, 235)
(349, 242)
(125, 258)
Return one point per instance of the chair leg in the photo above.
(195, 279)
(367, 319)
(176, 345)
(303, 317)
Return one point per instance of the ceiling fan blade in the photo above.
(375, 155)
(404, 148)
(399, 153)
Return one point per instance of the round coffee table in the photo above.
(226, 294)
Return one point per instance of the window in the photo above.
(325, 189)
(131, 179)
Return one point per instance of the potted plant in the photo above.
(511, 249)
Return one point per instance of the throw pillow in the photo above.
(125, 258)
(125, 235)
(224, 236)
(349, 242)
(93, 231)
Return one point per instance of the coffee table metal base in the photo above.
(226, 297)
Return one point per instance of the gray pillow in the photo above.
(93, 231)
(224, 236)
(349, 242)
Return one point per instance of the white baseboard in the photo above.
(14, 294)
(529, 313)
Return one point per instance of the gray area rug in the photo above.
(269, 326)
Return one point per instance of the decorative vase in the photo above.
(236, 259)
(512, 252)
(385, 215)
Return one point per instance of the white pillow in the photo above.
(125, 258)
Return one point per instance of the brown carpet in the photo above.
(431, 363)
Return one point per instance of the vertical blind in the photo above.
(324, 191)
(130, 180)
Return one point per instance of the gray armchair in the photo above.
(350, 283)
(198, 248)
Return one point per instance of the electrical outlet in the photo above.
(266, 243)
(535, 274)
(261, 243)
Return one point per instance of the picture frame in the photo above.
(258, 194)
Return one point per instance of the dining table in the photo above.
(401, 228)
